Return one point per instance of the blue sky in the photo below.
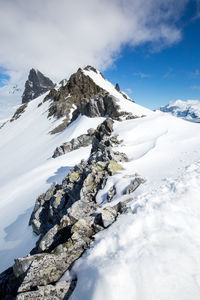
(151, 48)
(159, 77)
(3, 77)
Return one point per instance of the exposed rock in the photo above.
(48, 238)
(122, 207)
(108, 215)
(36, 85)
(67, 217)
(59, 291)
(117, 87)
(114, 167)
(81, 95)
(18, 112)
(133, 185)
(111, 193)
(83, 140)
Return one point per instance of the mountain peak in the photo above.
(188, 110)
(90, 68)
(36, 85)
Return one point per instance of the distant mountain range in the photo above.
(188, 110)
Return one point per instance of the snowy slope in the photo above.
(152, 253)
(28, 170)
(188, 110)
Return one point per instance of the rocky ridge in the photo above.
(36, 85)
(83, 140)
(80, 95)
(67, 217)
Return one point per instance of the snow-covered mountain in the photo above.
(13, 94)
(188, 110)
(126, 198)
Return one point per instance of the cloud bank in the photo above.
(58, 36)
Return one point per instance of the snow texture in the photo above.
(150, 253)
(28, 170)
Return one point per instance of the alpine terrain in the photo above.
(188, 110)
(99, 196)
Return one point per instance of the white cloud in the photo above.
(129, 91)
(141, 75)
(58, 36)
(195, 87)
(196, 73)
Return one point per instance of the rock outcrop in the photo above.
(19, 112)
(80, 95)
(36, 85)
(67, 217)
(83, 140)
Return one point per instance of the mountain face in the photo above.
(188, 110)
(36, 85)
(83, 96)
(96, 178)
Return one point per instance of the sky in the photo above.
(150, 47)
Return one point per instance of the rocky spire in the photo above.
(117, 87)
(36, 85)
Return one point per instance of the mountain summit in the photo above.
(36, 85)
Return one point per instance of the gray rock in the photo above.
(133, 185)
(111, 193)
(108, 215)
(117, 87)
(36, 85)
(19, 112)
(59, 291)
(82, 92)
(66, 218)
(83, 140)
(48, 238)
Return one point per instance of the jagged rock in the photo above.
(48, 238)
(18, 112)
(36, 85)
(59, 291)
(83, 140)
(82, 183)
(133, 185)
(8, 285)
(108, 215)
(122, 207)
(39, 214)
(67, 217)
(114, 167)
(80, 209)
(40, 269)
(111, 193)
(100, 106)
(117, 87)
(82, 96)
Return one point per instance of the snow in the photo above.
(28, 170)
(125, 105)
(188, 110)
(10, 99)
(152, 253)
